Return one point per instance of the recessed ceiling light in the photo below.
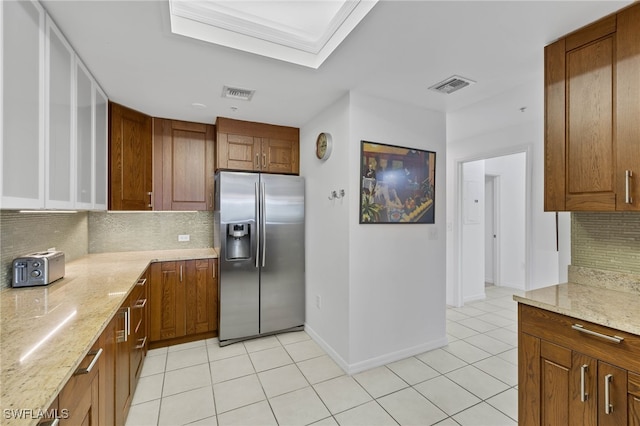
(198, 105)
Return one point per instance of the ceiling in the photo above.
(396, 52)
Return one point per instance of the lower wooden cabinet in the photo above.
(183, 301)
(568, 377)
(81, 397)
(101, 390)
(130, 347)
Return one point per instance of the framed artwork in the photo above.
(397, 184)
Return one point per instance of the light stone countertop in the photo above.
(46, 331)
(592, 295)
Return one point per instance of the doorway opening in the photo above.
(493, 236)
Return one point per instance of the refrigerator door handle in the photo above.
(257, 222)
(263, 203)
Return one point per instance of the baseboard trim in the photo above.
(376, 361)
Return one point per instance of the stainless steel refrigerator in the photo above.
(259, 231)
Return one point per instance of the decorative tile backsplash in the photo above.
(134, 231)
(78, 234)
(608, 241)
(25, 233)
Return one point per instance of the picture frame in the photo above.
(397, 184)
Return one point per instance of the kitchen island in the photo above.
(45, 332)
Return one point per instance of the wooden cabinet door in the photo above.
(167, 300)
(81, 395)
(555, 377)
(583, 390)
(201, 296)
(238, 152)
(590, 139)
(123, 390)
(612, 391)
(107, 374)
(184, 165)
(130, 154)
(628, 109)
(528, 380)
(279, 156)
(554, 126)
(633, 401)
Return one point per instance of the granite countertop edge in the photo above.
(601, 297)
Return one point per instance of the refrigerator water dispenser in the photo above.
(238, 241)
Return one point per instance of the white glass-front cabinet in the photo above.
(100, 152)
(22, 151)
(91, 142)
(53, 117)
(84, 138)
(59, 59)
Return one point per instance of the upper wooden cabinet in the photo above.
(250, 146)
(184, 165)
(592, 105)
(130, 154)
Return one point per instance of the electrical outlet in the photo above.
(318, 301)
(184, 237)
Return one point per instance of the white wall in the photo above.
(489, 129)
(473, 231)
(327, 231)
(389, 280)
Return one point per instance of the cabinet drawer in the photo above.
(560, 329)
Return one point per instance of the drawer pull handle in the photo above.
(140, 304)
(141, 345)
(608, 407)
(628, 174)
(583, 394)
(614, 339)
(96, 355)
(141, 282)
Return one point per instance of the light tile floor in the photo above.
(289, 380)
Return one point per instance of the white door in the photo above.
(490, 228)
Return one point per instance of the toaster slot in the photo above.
(20, 272)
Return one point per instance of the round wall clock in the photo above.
(323, 145)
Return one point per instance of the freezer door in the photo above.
(239, 290)
(282, 287)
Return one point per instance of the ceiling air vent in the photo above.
(237, 93)
(451, 84)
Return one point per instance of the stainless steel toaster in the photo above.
(39, 268)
